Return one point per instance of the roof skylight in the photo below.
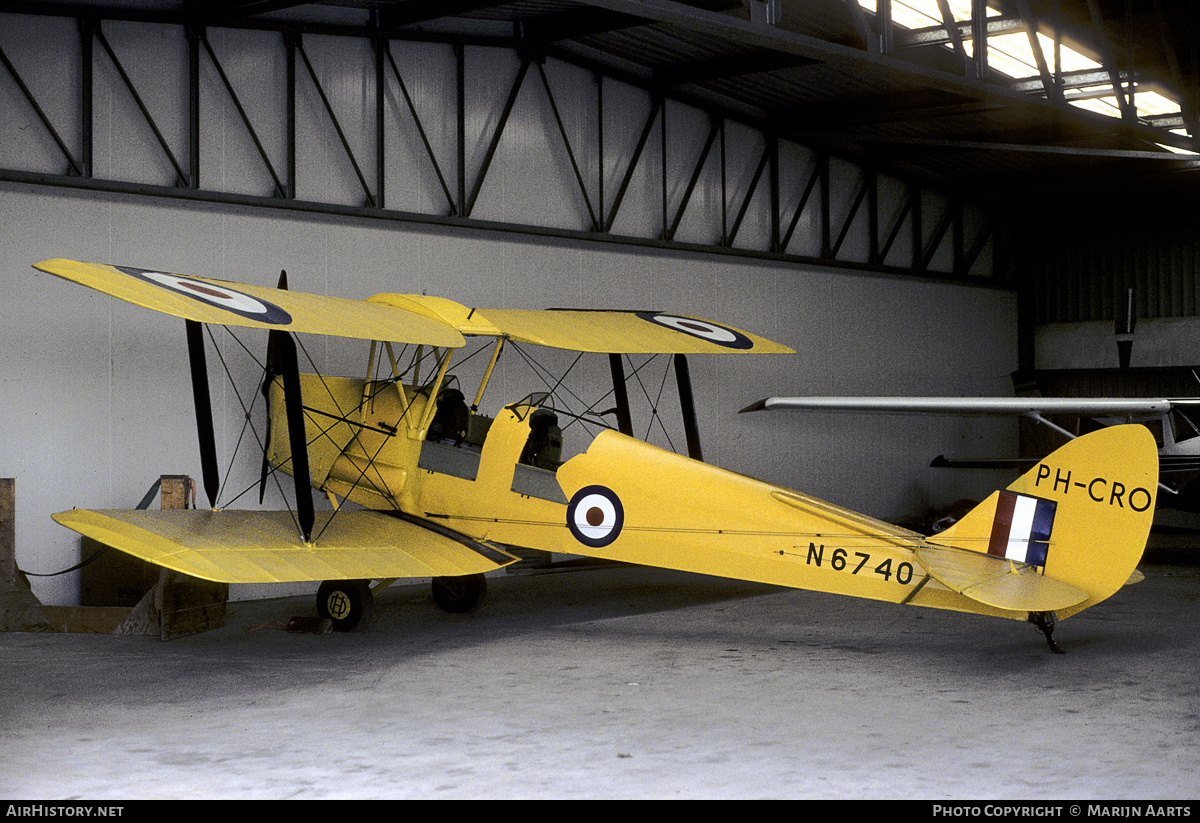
(1012, 55)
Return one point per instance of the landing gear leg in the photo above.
(1045, 622)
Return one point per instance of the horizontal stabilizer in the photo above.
(997, 582)
(265, 547)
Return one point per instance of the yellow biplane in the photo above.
(441, 490)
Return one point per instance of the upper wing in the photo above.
(627, 332)
(591, 330)
(263, 547)
(408, 318)
(235, 304)
(971, 405)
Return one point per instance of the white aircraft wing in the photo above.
(1088, 406)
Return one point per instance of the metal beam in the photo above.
(412, 12)
(943, 35)
(469, 205)
(1124, 100)
(182, 177)
(713, 132)
(572, 24)
(280, 186)
(337, 126)
(731, 65)
(562, 131)
(412, 110)
(73, 166)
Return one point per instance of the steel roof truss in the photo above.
(1124, 98)
(371, 199)
(386, 48)
(73, 165)
(280, 188)
(717, 129)
(183, 178)
(469, 205)
(567, 144)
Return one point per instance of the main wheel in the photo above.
(348, 603)
(459, 594)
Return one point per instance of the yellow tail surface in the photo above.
(1082, 514)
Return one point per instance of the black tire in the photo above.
(458, 595)
(348, 603)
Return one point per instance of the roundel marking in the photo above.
(703, 329)
(595, 516)
(212, 294)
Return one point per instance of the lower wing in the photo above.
(264, 547)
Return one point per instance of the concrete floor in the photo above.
(619, 683)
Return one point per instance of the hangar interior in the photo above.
(860, 180)
(852, 179)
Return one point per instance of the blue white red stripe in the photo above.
(1021, 529)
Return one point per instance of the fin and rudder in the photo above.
(1074, 526)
